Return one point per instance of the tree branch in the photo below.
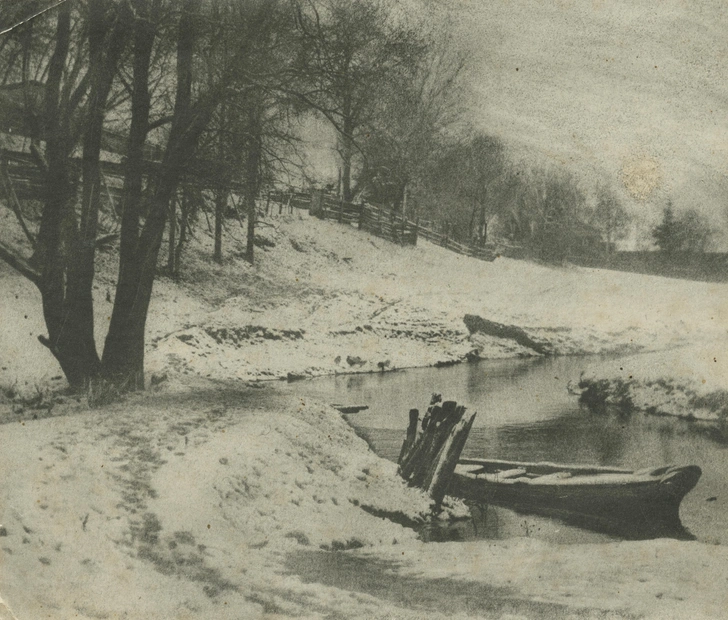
(20, 264)
(12, 198)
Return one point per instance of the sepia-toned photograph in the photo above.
(363, 309)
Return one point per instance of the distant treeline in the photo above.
(701, 266)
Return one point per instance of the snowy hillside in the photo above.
(223, 499)
(326, 298)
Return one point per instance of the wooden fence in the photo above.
(373, 219)
(487, 251)
(292, 199)
(20, 179)
(378, 221)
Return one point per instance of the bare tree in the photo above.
(350, 51)
(73, 104)
(245, 128)
(467, 183)
(86, 57)
(610, 217)
(123, 359)
(412, 121)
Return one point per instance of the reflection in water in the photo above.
(502, 522)
(525, 413)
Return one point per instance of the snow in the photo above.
(689, 382)
(180, 506)
(322, 296)
(107, 497)
(207, 497)
(654, 579)
(326, 298)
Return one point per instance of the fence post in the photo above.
(417, 229)
(341, 211)
(361, 214)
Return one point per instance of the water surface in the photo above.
(525, 412)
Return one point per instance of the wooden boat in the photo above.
(643, 498)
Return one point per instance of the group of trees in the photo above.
(475, 186)
(217, 87)
(689, 231)
(152, 69)
(473, 190)
(199, 96)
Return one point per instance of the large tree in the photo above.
(467, 184)
(350, 53)
(413, 121)
(88, 46)
(78, 76)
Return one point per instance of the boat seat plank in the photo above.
(510, 473)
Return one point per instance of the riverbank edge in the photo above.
(666, 396)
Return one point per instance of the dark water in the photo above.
(525, 412)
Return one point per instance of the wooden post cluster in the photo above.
(428, 458)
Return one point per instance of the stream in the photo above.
(526, 413)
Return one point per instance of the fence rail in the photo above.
(373, 219)
(379, 221)
(22, 180)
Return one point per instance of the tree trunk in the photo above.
(185, 208)
(58, 194)
(252, 174)
(105, 48)
(221, 195)
(471, 223)
(172, 242)
(347, 147)
(220, 204)
(66, 251)
(123, 359)
(346, 155)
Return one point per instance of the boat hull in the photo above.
(646, 504)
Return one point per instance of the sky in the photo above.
(630, 92)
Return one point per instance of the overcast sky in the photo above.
(632, 90)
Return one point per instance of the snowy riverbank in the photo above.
(238, 504)
(325, 298)
(199, 499)
(689, 382)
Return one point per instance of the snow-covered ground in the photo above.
(325, 298)
(208, 499)
(689, 382)
(330, 299)
(225, 504)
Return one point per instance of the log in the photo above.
(428, 470)
(439, 429)
(448, 459)
(350, 408)
(476, 324)
(422, 448)
(414, 415)
(427, 460)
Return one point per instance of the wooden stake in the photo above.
(427, 460)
